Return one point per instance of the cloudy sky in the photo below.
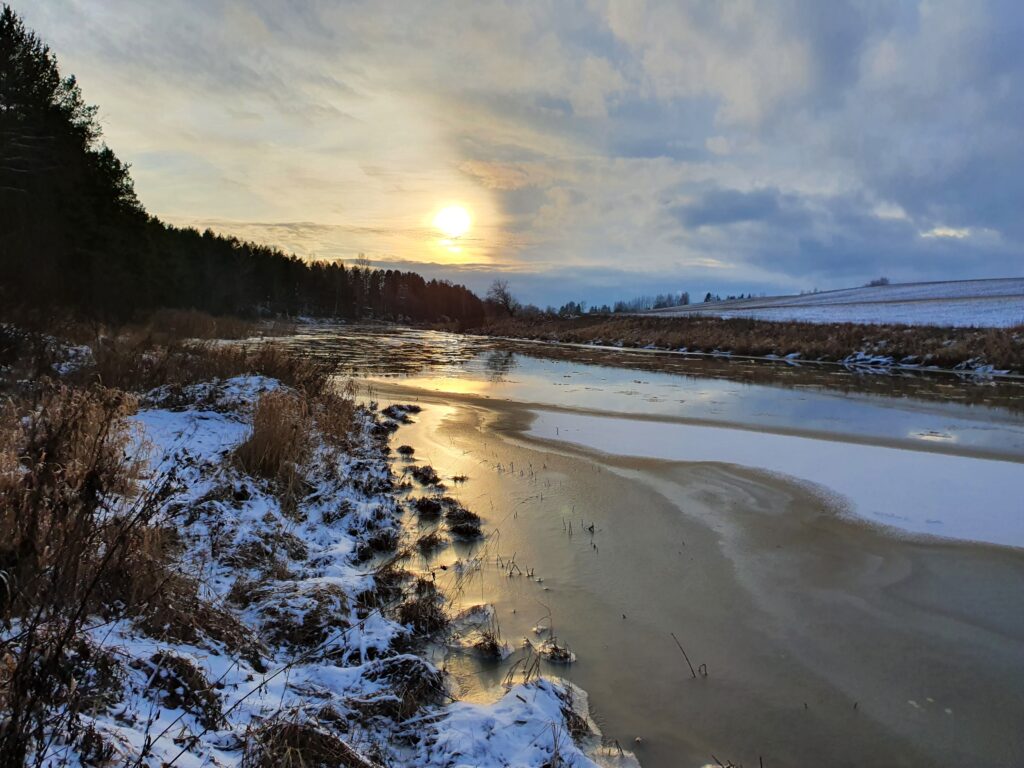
(604, 148)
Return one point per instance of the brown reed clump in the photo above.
(289, 741)
(279, 440)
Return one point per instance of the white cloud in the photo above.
(890, 211)
(954, 233)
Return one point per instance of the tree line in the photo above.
(74, 236)
(501, 301)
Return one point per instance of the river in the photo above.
(752, 562)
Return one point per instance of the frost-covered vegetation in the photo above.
(867, 347)
(208, 571)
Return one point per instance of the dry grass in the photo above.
(489, 645)
(177, 324)
(141, 573)
(388, 582)
(260, 554)
(287, 741)
(575, 723)
(79, 539)
(944, 347)
(136, 365)
(69, 539)
(381, 541)
(426, 475)
(161, 327)
(172, 347)
(65, 461)
(279, 440)
(305, 619)
(334, 413)
(461, 522)
(177, 613)
(429, 543)
(428, 507)
(79, 533)
(412, 684)
(183, 686)
(24, 356)
(424, 611)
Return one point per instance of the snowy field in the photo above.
(983, 303)
(918, 492)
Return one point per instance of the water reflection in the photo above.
(499, 362)
(937, 411)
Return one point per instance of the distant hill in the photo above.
(997, 303)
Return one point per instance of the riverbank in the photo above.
(823, 636)
(226, 579)
(985, 351)
(825, 639)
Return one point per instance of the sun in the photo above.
(453, 221)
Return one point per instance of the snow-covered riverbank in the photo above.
(294, 642)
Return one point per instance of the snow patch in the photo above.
(967, 303)
(919, 492)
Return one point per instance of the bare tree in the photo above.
(501, 296)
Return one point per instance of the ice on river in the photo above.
(918, 492)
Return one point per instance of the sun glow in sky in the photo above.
(453, 221)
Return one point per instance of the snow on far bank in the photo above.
(919, 492)
(982, 303)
